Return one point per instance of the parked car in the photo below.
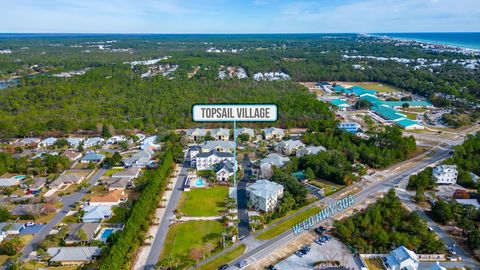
(241, 264)
(271, 267)
(223, 267)
(320, 241)
(30, 224)
(299, 253)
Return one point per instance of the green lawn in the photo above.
(112, 171)
(182, 237)
(202, 202)
(287, 224)
(227, 257)
(328, 187)
(380, 87)
(374, 264)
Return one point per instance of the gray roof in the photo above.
(220, 131)
(38, 182)
(143, 156)
(265, 189)
(11, 226)
(216, 153)
(248, 131)
(275, 159)
(226, 164)
(66, 179)
(89, 228)
(274, 130)
(196, 132)
(118, 182)
(291, 144)
(93, 157)
(127, 173)
(73, 254)
(212, 145)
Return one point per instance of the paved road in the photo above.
(466, 257)
(68, 201)
(242, 199)
(157, 244)
(315, 191)
(390, 180)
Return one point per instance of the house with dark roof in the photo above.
(224, 170)
(89, 228)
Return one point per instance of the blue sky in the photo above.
(238, 16)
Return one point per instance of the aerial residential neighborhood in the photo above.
(228, 135)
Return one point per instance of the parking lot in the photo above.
(333, 250)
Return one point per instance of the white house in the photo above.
(74, 142)
(264, 195)
(273, 133)
(401, 258)
(96, 213)
(220, 146)
(94, 141)
(220, 134)
(196, 134)
(445, 174)
(249, 131)
(47, 142)
(272, 160)
(289, 147)
(140, 159)
(207, 161)
(224, 170)
(309, 150)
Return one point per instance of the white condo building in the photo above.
(264, 195)
(207, 161)
(401, 258)
(445, 174)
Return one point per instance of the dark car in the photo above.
(299, 253)
(271, 267)
(223, 267)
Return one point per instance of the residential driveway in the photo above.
(242, 199)
(32, 229)
(68, 201)
(333, 250)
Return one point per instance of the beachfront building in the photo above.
(264, 195)
(208, 160)
(401, 258)
(445, 174)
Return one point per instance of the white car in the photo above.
(30, 224)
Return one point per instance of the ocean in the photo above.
(467, 40)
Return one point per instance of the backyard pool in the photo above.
(19, 177)
(105, 233)
(200, 183)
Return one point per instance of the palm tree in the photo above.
(82, 236)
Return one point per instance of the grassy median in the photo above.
(287, 224)
(226, 258)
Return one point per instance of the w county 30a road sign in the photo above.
(324, 214)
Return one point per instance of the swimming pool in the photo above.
(19, 177)
(200, 183)
(105, 233)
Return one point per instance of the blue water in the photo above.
(468, 40)
(106, 233)
(199, 183)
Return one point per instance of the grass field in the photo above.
(380, 87)
(228, 257)
(203, 202)
(374, 264)
(287, 224)
(182, 237)
(328, 187)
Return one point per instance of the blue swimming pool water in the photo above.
(20, 177)
(106, 233)
(199, 182)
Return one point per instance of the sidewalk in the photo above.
(142, 255)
